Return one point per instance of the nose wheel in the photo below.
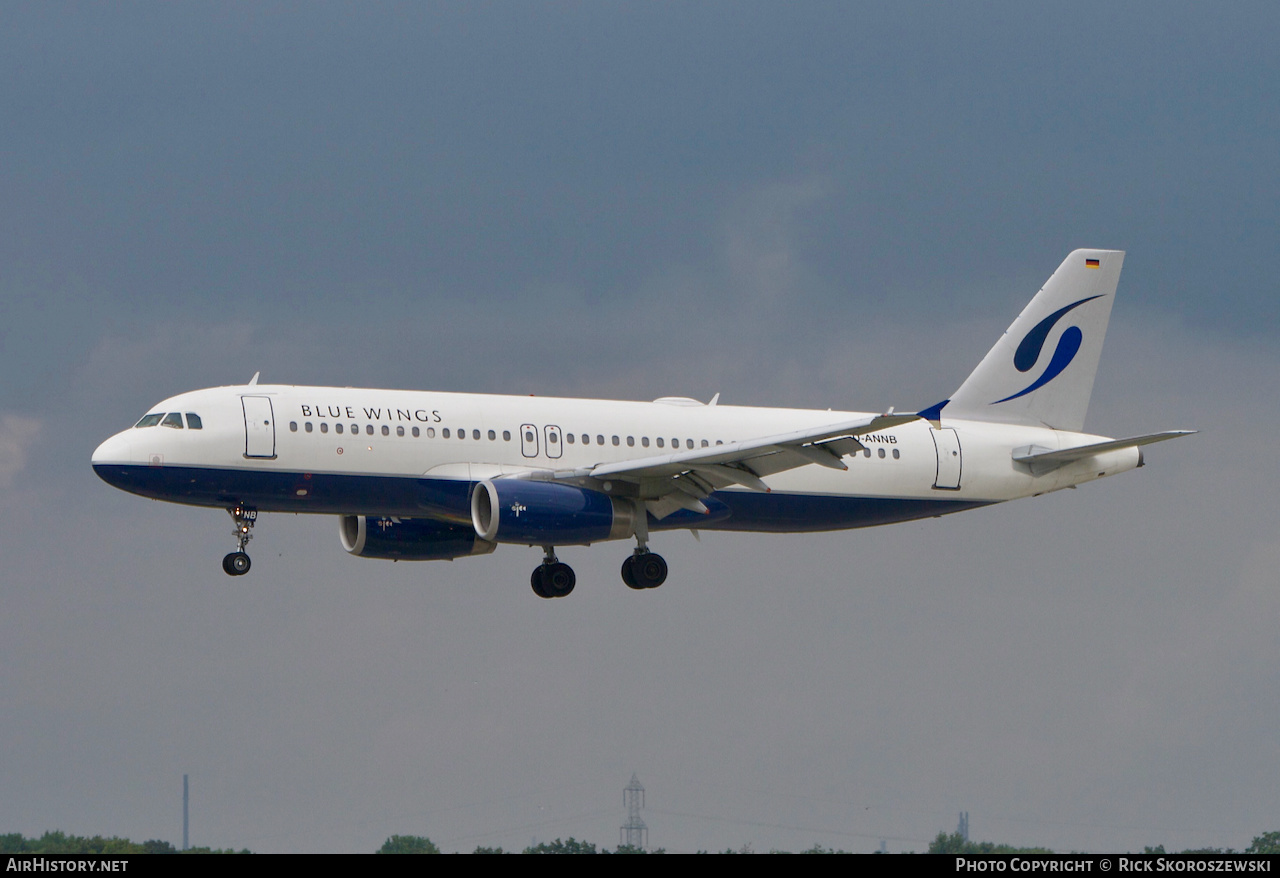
(237, 563)
(552, 578)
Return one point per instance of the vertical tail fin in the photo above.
(1041, 370)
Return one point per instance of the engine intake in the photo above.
(547, 514)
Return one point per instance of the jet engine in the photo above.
(410, 539)
(547, 514)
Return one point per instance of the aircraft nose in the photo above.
(114, 450)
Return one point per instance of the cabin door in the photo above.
(259, 427)
(947, 444)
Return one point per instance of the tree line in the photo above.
(955, 843)
(62, 843)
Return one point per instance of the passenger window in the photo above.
(324, 427)
(631, 441)
(688, 443)
(895, 454)
(675, 443)
(705, 443)
(293, 426)
(386, 431)
(492, 436)
(337, 428)
(528, 435)
(306, 426)
(462, 434)
(599, 440)
(866, 452)
(399, 430)
(615, 440)
(661, 442)
(506, 435)
(193, 421)
(431, 432)
(173, 419)
(416, 433)
(475, 434)
(368, 428)
(355, 429)
(445, 432)
(586, 440)
(568, 437)
(644, 441)
(880, 452)
(719, 442)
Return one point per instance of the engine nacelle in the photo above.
(547, 513)
(410, 539)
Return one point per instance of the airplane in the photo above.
(414, 475)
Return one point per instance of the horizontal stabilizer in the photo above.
(1043, 460)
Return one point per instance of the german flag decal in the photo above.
(1091, 263)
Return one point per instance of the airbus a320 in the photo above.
(416, 475)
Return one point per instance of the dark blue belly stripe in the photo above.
(450, 500)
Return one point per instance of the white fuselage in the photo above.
(372, 449)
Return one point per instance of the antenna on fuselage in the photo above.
(254, 380)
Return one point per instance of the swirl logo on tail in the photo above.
(1028, 352)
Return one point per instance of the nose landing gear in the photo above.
(237, 563)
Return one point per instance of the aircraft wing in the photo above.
(681, 479)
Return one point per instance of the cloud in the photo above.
(17, 434)
(760, 247)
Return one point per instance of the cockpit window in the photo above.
(193, 421)
(173, 419)
(149, 421)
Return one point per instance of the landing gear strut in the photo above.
(237, 563)
(551, 578)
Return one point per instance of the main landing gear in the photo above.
(237, 563)
(644, 569)
(552, 578)
(555, 579)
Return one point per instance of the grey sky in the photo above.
(817, 205)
